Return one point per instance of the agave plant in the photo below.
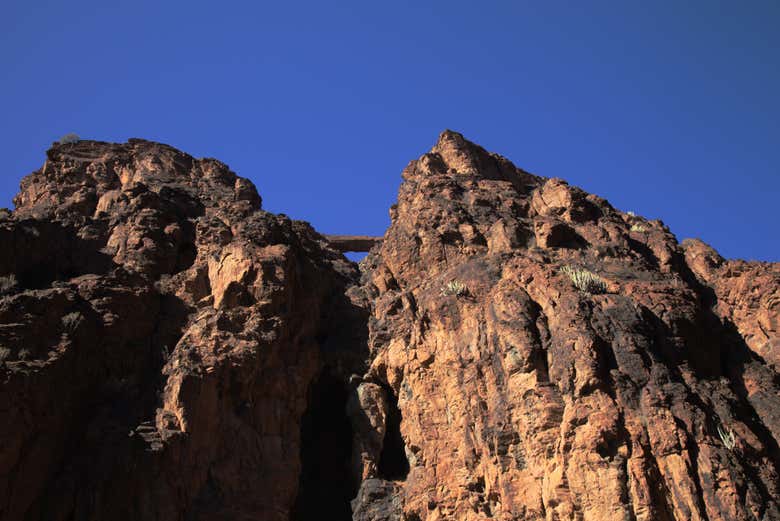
(584, 280)
(727, 437)
(454, 287)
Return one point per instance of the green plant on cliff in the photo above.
(8, 284)
(727, 437)
(584, 280)
(454, 287)
(69, 138)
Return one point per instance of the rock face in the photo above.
(170, 351)
(159, 332)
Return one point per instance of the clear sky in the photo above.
(669, 109)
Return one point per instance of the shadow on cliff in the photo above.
(113, 436)
(327, 483)
(717, 353)
(39, 253)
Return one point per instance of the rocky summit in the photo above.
(513, 348)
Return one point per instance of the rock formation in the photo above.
(170, 351)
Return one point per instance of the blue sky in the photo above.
(669, 109)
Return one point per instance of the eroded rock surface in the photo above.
(170, 351)
(523, 397)
(159, 333)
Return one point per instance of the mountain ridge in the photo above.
(173, 351)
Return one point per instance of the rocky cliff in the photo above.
(513, 349)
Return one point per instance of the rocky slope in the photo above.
(170, 351)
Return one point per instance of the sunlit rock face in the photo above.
(525, 397)
(512, 349)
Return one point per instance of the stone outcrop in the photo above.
(159, 332)
(170, 351)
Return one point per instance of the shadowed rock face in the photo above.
(169, 351)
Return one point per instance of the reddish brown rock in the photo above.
(746, 296)
(526, 398)
(159, 332)
(169, 350)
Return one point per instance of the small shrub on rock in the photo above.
(69, 138)
(8, 284)
(727, 437)
(454, 287)
(584, 280)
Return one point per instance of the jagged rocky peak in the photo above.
(89, 176)
(513, 348)
(159, 333)
(556, 358)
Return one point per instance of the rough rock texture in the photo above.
(170, 351)
(525, 398)
(158, 333)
